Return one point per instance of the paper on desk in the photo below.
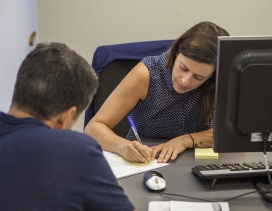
(123, 168)
(187, 206)
(205, 153)
(159, 206)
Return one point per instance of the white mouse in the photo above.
(154, 181)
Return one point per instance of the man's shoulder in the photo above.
(64, 139)
(73, 136)
(74, 146)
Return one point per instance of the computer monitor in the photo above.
(243, 95)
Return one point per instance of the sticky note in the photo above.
(205, 153)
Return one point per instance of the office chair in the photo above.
(112, 63)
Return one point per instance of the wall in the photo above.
(86, 24)
(17, 21)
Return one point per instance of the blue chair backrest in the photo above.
(136, 51)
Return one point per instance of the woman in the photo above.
(171, 96)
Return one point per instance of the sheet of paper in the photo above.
(198, 206)
(205, 153)
(187, 206)
(159, 206)
(123, 168)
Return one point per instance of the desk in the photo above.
(180, 180)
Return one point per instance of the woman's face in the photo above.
(188, 74)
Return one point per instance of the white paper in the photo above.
(159, 206)
(123, 168)
(186, 206)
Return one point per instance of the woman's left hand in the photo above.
(171, 149)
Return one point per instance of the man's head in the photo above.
(53, 79)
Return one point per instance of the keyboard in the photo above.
(231, 170)
(255, 170)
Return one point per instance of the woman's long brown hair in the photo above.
(200, 43)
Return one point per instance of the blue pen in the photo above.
(133, 127)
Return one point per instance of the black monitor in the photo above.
(243, 96)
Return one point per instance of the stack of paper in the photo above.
(205, 153)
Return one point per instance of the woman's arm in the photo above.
(124, 98)
(172, 148)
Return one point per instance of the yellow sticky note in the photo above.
(205, 153)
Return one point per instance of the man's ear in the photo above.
(67, 118)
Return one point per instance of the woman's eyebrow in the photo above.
(201, 76)
(186, 68)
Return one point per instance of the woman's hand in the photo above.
(133, 151)
(171, 149)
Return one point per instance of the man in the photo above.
(43, 164)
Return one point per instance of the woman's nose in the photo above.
(186, 79)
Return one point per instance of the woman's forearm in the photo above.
(202, 139)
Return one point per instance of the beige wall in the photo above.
(86, 24)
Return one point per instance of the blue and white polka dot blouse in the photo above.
(164, 113)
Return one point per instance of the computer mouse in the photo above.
(154, 181)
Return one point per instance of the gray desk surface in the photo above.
(180, 180)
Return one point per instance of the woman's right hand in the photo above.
(135, 152)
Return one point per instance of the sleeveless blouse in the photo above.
(164, 113)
